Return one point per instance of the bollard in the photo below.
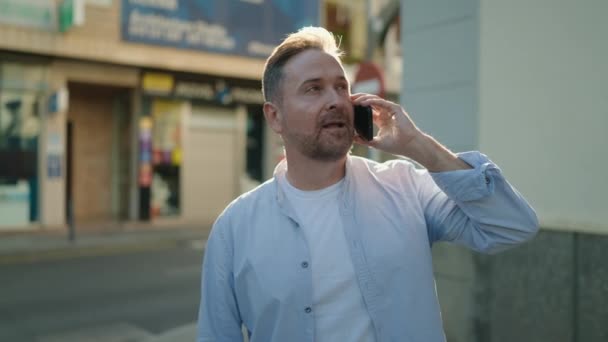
(71, 228)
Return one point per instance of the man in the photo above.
(336, 247)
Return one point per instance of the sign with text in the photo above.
(41, 14)
(225, 91)
(53, 166)
(241, 27)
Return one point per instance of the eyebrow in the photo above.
(319, 79)
(311, 80)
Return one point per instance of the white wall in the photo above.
(544, 105)
(439, 42)
(439, 81)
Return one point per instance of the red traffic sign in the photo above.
(369, 79)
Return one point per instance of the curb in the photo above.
(51, 249)
(71, 252)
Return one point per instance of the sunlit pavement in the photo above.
(146, 289)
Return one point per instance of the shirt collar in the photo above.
(345, 195)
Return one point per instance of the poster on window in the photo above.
(166, 158)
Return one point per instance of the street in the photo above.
(127, 296)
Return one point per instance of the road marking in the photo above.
(116, 332)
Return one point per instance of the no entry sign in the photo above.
(369, 79)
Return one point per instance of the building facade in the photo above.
(523, 82)
(124, 111)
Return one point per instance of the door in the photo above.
(210, 173)
(98, 153)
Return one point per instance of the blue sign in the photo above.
(242, 27)
(53, 165)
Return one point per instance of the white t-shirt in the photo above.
(339, 311)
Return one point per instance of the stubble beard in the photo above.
(325, 145)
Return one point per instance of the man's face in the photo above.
(316, 111)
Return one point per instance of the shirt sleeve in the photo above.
(477, 208)
(219, 318)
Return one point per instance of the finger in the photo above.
(390, 109)
(382, 115)
(360, 98)
(379, 119)
(357, 139)
(377, 102)
(354, 97)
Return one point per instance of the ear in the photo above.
(273, 117)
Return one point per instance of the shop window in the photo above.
(166, 157)
(19, 133)
(255, 143)
(339, 23)
(348, 21)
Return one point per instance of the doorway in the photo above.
(99, 127)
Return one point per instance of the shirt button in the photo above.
(304, 264)
(308, 310)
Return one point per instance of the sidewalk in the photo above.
(54, 245)
(35, 246)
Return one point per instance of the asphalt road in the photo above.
(129, 296)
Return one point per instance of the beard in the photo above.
(325, 144)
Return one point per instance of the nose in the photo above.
(337, 100)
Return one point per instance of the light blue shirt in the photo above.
(340, 311)
(255, 268)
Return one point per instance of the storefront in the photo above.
(202, 142)
(125, 145)
(23, 88)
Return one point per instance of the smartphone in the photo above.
(363, 122)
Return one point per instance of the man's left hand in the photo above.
(397, 134)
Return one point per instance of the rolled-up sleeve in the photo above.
(219, 318)
(477, 208)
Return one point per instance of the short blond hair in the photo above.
(306, 38)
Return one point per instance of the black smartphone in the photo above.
(363, 122)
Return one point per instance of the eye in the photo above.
(342, 86)
(313, 89)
